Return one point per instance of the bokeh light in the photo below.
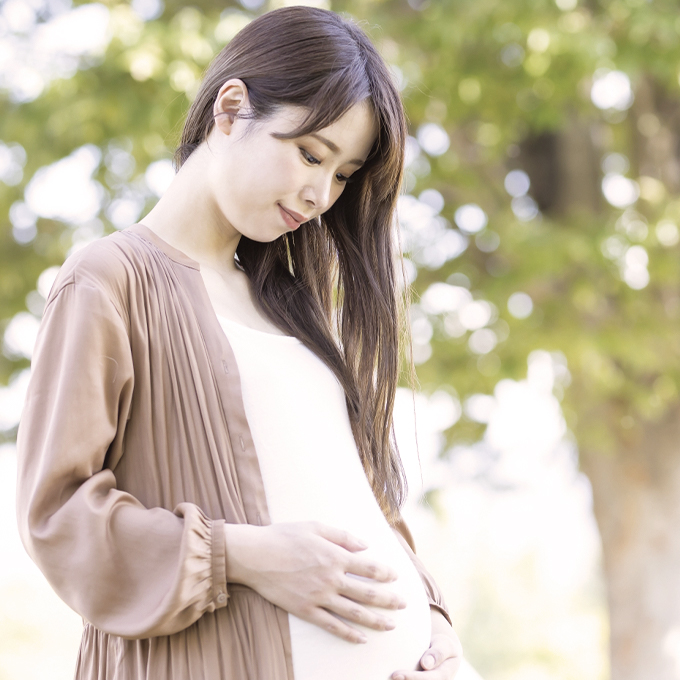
(470, 218)
(619, 190)
(520, 305)
(611, 90)
(517, 183)
(65, 190)
(667, 233)
(433, 139)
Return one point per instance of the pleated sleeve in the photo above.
(131, 571)
(434, 594)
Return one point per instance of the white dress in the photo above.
(310, 466)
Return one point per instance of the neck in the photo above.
(187, 217)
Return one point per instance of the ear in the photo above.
(231, 99)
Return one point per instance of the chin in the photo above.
(265, 238)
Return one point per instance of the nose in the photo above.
(317, 193)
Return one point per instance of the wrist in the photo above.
(241, 540)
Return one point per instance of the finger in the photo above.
(359, 591)
(373, 570)
(355, 613)
(336, 627)
(446, 671)
(433, 656)
(441, 648)
(338, 536)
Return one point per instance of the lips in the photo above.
(296, 216)
(292, 219)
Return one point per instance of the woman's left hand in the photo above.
(442, 660)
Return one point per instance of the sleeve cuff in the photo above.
(220, 595)
(442, 611)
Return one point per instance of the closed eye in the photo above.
(312, 160)
(308, 157)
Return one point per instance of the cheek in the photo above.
(277, 173)
(290, 168)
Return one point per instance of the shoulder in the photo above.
(111, 265)
(107, 263)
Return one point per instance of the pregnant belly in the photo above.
(318, 654)
(311, 470)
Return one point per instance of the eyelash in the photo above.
(315, 161)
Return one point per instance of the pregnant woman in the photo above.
(207, 472)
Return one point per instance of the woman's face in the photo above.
(264, 186)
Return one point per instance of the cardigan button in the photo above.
(221, 598)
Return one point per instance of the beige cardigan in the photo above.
(134, 449)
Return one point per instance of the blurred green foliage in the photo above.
(508, 82)
(622, 345)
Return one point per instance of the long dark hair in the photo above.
(332, 283)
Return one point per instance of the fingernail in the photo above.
(402, 604)
(361, 638)
(361, 544)
(399, 676)
(428, 661)
(389, 625)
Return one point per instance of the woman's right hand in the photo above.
(303, 568)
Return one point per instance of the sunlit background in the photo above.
(539, 220)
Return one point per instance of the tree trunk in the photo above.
(636, 495)
(564, 168)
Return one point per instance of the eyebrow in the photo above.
(334, 148)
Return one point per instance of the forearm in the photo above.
(440, 623)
